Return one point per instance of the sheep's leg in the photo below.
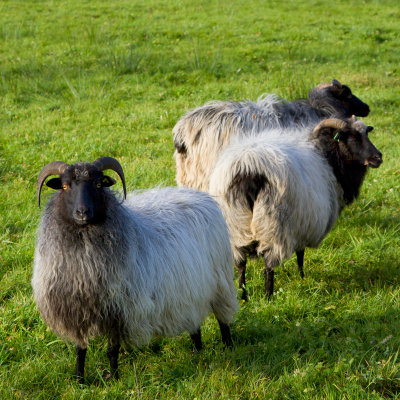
(225, 334)
(300, 261)
(196, 339)
(241, 266)
(269, 277)
(112, 353)
(80, 364)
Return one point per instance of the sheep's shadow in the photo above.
(271, 347)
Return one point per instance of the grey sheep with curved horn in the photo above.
(280, 194)
(157, 264)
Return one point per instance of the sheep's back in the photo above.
(202, 133)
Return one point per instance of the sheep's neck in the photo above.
(349, 173)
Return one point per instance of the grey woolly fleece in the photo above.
(158, 265)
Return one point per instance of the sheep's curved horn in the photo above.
(335, 123)
(53, 168)
(103, 163)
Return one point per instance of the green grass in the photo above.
(79, 80)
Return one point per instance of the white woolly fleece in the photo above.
(295, 209)
(159, 265)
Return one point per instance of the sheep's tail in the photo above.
(249, 179)
(246, 168)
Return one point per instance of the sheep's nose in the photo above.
(375, 161)
(378, 157)
(82, 212)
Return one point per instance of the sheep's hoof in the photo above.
(80, 379)
(269, 296)
(109, 376)
(228, 344)
(155, 346)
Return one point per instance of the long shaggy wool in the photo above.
(159, 264)
(298, 198)
(202, 133)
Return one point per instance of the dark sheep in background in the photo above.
(201, 134)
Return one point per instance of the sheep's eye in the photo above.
(65, 186)
(98, 185)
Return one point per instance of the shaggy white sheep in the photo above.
(155, 265)
(282, 193)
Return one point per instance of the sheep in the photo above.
(280, 194)
(156, 265)
(201, 134)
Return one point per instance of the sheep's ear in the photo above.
(337, 87)
(107, 181)
(337, 84)
(54, 183)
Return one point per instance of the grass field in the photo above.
(83, 79)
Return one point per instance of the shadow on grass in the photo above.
(316, 350)
(314, 346)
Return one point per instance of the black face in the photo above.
(359, 147)
(352, 103)
(83, 194)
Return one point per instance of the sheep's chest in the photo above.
(75, 292)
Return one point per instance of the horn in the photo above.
(103, 163)
(335, 123)
(53, 168)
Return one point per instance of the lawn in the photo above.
(80, 80)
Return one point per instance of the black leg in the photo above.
(112, 354)
(300, 261)
(242, 278)
(226, 334)
(269, 278)
(196, 339)
(80, 364)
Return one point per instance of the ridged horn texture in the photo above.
(103, 163)
(335, 123)
(53, 168)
